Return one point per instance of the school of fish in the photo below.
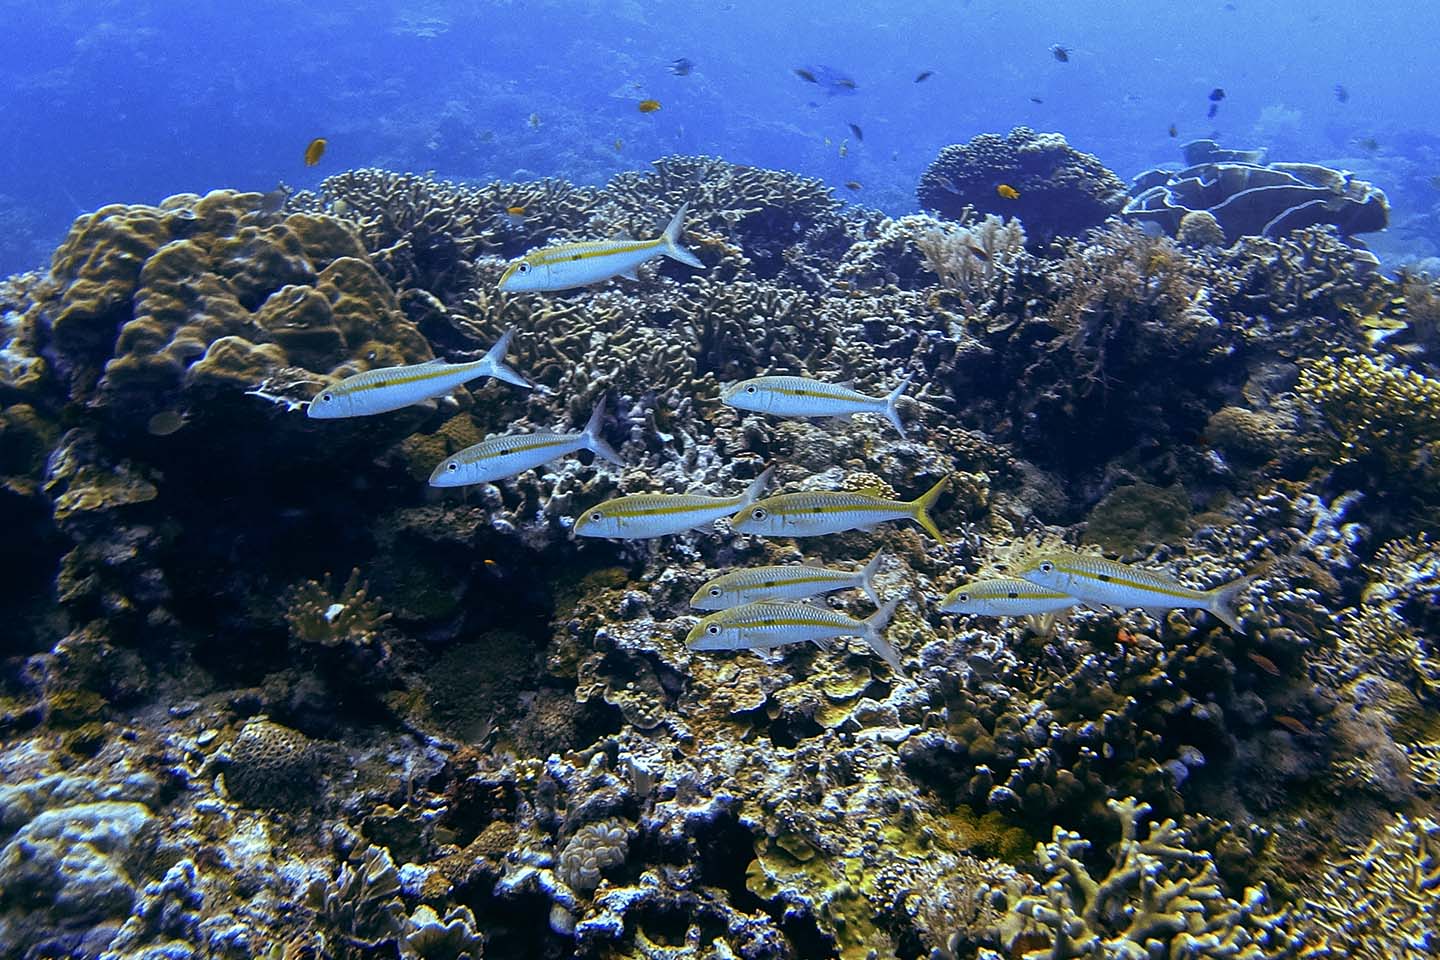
(753, 608)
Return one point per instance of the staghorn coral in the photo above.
(1384, 901)
(1158, 897)
(1063, 192)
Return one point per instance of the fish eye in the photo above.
(749, 389)
(758, 513)
(714, 591)
(327, 397)
(713, 630)
(597, 516)
(524, 267)
(452, 466)
(963, 598)
(1046, 567)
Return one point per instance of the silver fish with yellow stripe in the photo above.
(644, 515)
(794, 581)
(804, 397)
(390, 388)
(1096, 580)
(773, 623)
(815, 512)
(1005, 597)
(512, 453)
(566, 265)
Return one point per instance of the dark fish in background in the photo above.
(315, 150)
(1060, 53)
(924, 75)
(682, 67)
(165, 423)
(1369, 144)
(1217, 94)
(834, 81)
(855, 129)
(1174, 131)
(274, 201)
(1036, 100)
(1435, 181)
(1341, 93)
(852, 184)
(1213, 108)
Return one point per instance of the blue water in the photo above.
(104, 102)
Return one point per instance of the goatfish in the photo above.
(390, 388)
(803, 397)
(512, 453)
(1095, 580)
(814, 512)
(794, 581)
(644, 515)
(773, 623)
(566, 265)
(1005, 597)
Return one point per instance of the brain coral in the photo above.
(1063, 192)
(270, 764)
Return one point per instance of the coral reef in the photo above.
(1062, 192)
(267, 694)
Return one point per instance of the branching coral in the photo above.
(319, 616)
(1384, 903)
(1159, 897)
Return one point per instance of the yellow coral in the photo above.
(1375, 412)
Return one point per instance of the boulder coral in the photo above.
(1062, 192)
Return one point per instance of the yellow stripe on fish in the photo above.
(566, 265)
(789, 582)
(391, 388)
(815, 512)
(505, 456)
(1005, 597)
(773, 623)
(804, 397)
(644, 515)
(1096, 580)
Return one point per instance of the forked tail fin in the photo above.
(493, 363)
(1222, 599)
(891, 413)
(920, 508)
(867, 577)
(875, 634)
(670, 240)
(594, 442)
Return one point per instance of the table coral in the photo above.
(1062, 191)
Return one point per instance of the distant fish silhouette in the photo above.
(855, 129)
(1341, 93)
(834, 81)
(682, 67)
(924, 75)
(1060, 53)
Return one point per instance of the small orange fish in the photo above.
(515, 211)
(1008, 192)
(852, 184)
(1264, 663)
(978, 252)
(1291, 724)
(648, 106)
(315, 151)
